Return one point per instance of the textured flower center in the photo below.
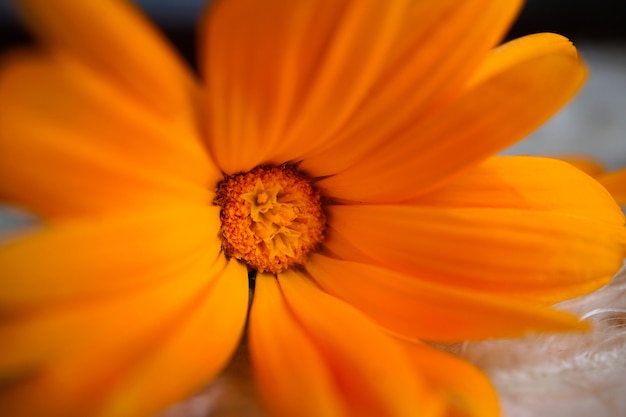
(271, 217)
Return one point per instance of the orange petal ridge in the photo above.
(418, 308)
(523, 243)
(91, 259)
(518, 86)
(115, 39)
(66, 359)
(367, 372)
(286, 78)
(194, 352)
(91, 150)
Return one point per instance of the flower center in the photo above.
(271, 217)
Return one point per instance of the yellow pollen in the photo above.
(272, 217)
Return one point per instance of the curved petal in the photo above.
(71, 143)
(468, 391)
(528, 183)
(420, 309)
(359, 369)
(113, 38)
(540, 255)
(285, 78)
(62, 361)
(586, 164)
(516, 89)
(291, 372)
(78, 259)
(194, 352)
(615, 183)
(38, 335)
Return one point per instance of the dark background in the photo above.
(579, 20)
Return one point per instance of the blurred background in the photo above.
(580, 20)
(603, 20)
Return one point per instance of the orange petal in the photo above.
(41, 334)
(615, 183)
(71, 143)
(420, 309)
(544, 256)
(114, 38)
(467, 391)
(193, 353)
(290, 371)
(516, 89)
(528, 183)
(98, 258)
(340, 340)
(586, 164)
(62, 361)
(286, 78)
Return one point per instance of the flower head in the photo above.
(339, 149)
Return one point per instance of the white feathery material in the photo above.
(565, 375)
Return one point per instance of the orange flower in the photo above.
(339, 148)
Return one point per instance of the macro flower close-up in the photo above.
(323, 188)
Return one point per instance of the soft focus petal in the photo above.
(73, 144)
(586, 164)
(517, 88)
(63, 360)
(358, 369)
(113, 38)
(467, 391)
(193, 353)
(528, 183)
(39, 335)
(615, 183)
(537, 254)
(72, 259)
(290, 370)
(420, 309)
(285, 78)
(454, 46)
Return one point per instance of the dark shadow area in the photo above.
(603, 20)
(579, 20)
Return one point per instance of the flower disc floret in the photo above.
(272, 217)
